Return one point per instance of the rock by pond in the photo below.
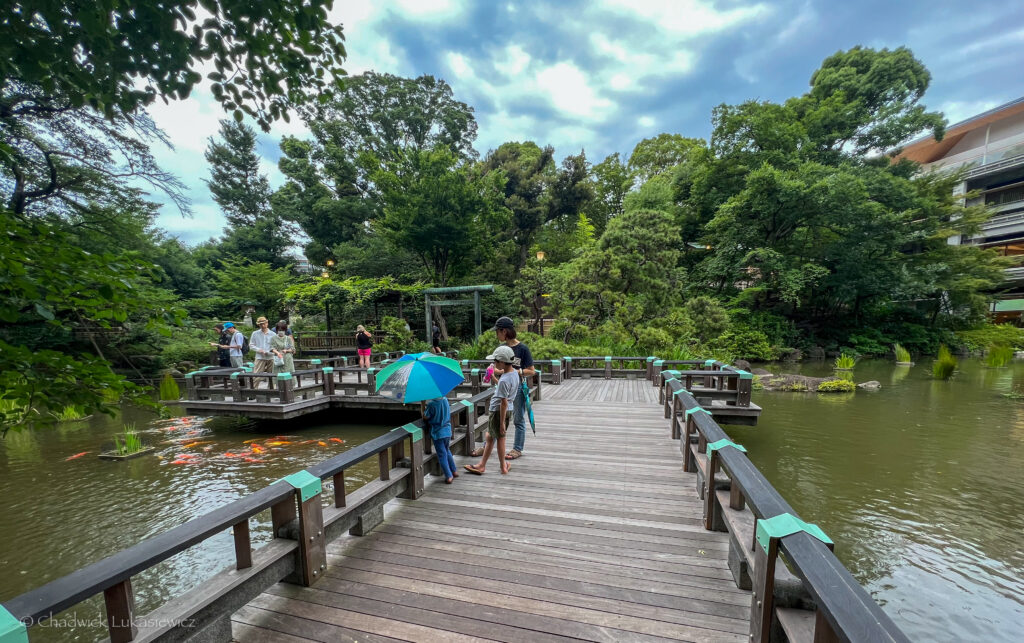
(872, 385)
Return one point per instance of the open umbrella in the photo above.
(419, 376)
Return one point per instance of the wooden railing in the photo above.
(302, 526)
(739, 500)
(321, 340)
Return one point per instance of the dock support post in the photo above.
(328, 380)
(538, 377)
(743, 388)
(474, 381)
(470, 419)
(656, 369)
(286, 387)
(120, 604)
(556, 371)
(568, 367)
(607, 367)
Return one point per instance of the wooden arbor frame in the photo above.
(475, 302)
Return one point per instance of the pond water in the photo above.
(919, 484)
(60, 513)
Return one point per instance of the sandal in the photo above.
(513, 454)
(476, 453)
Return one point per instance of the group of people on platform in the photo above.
(275, 350)
(511, 363)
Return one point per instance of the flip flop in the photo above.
(473, 470)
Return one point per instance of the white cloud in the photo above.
(685, 17)
(429, 9)
(515, 61)
(646, 122)
(569, 91)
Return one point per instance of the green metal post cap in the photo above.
(192, 374)
(698, 409)
(465, 403)
(671, 378)
(465, 363)
(555, 362)
(724, 442)
(786, 525)
(607, 358)
(327, 369)
(709, 362)
(316, 360)
(673, 372)
(248, 368)
(308, 484)
(567, 359)
(475, 371)
(659, 362)
(370, 371)
(414, 431)
(234, 376)
(284, 376)
(651, 358)
(745, 375)
(11, 629)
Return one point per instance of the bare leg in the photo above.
(501, 455)
(488, 447)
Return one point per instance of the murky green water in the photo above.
(919, 484)
(61, 514)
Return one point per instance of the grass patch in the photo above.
(845, 362)
(837, 386)
(902, 354)
(169, 389)
(998, 356)
(129, 442)
(69, 414)
(945, 364)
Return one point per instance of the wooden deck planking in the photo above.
(595, 534)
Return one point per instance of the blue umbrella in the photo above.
(529, 406)
(419, 376)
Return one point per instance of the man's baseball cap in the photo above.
(504, 322)
(503, 354)
(228, 325)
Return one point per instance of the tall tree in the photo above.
(658, 155)
(117, 56)
(612, 181)
(254, 230)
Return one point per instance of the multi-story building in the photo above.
(991, 148)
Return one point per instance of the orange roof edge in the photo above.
(926, 149)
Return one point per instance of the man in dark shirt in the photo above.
(505, 328)
(223, 341)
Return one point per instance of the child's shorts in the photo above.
(494, 425)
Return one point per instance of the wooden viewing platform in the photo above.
(631, 517)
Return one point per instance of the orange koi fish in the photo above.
(257, 449)
(339, 441)
(76, 456)
(251, 460)
(184, 462)
(278, 443)
(321, 443)
(308, 442)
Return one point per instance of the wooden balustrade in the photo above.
(739, 500)
(301, 524)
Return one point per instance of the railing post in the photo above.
(285, 387)
(568, 367)
(243, 545)
(607, 367)
(120, 605)
(190, 387)
(656, 369)
(236, 388)
(312, 544)
(744, 388)
(556, 371)
(537, 378)
(474, 381)
(470, 439)
(328, 372)
(710, 497)
(371, 380)
(649, 372)
(414, 486)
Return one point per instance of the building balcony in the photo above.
(1014, 274)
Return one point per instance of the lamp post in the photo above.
(327, 302)
(540, 277)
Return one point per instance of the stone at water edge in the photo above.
(870, 386)
(742, 364)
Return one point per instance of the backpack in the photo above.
(245, 344)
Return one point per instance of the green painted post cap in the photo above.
(475, 371)
(673, 372)
(651, 358)
(284, 376)
(709, 362)
(234, 376)
(744, 375)
(698, 409)
(316, 360)
(465, 363)
(786, 525)
(370, 371)
(465, 403)
(659, 362)
(567, 359)
(414, 431)
(671, 378)
(607, 358)
(555, 362)
(192, 374)
(206, 368)
(308, 484)
(11, 629)
(725, 442)
(327, 369)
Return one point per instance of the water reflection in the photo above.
(919, 484)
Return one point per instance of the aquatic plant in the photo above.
(69, 413)
(169, 389)
(129, 442)
(945, 364)
(837, 386)
(845, 362)
(902, 354)
(998, 356)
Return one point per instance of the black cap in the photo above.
(504, 322)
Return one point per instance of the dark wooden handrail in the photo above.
(848, 608)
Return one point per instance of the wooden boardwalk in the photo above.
(595, 534)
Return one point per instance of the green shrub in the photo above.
(945, 364)
(69, 414)
(845, 361)
(708, 316)
(868, 342)
(839, 385)
(979, 339)
(188, 345)
(998, 356)
(397, 336)
(743, 344)
(902, 354)
(169, 389)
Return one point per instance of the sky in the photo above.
(601, 75)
